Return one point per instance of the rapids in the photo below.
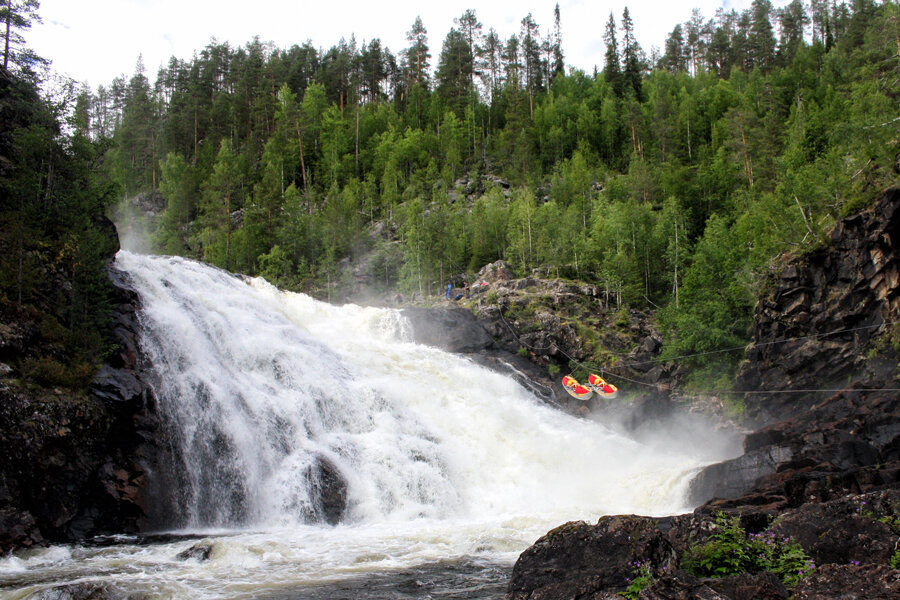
(451, 469)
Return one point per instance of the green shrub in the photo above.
(642, 577)
(731, 551)
(623, 319)
(51, 372)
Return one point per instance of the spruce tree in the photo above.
(611, 70)
(631, 55)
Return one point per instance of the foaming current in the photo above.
(443, 460)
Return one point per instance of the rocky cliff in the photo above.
(829, 319)
(823, 467)
(70, 458)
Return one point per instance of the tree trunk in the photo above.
(302, 164)
(356, 151)
(8, 26)
(748, 167)
(227, 229)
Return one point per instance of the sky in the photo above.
(94, 41)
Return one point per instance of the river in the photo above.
(451, 470)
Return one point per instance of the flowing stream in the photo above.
(451, 470)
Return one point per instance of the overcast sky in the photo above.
(94, 41)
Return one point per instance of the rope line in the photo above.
(757, 344)
(605, 372)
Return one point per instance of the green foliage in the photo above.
(670, 186)
(54, 239)
(49, 371)
(730, 551)
(895, 560)
(641, 577)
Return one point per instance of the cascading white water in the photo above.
(442, 459)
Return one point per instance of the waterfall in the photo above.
(312, 444)
(261, 387)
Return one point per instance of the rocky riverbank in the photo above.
(821, 472)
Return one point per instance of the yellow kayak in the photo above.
(575, 389)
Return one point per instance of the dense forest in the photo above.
(55, 238)
(672, 179)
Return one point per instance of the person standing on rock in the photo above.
(449, 287)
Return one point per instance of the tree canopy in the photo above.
(671, 180)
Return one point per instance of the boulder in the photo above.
(199, 552)
(579, 560)
(450, 329)
(331, 489)
(749, 586)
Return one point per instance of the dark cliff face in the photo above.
(838, 308)
(70, 461)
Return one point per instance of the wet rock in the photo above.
(331, 489)
(733, 478)
(833, 302)
(199, 551)
(70, 462)
(450, 329)
(117, 385)
(18, 529)
(578, 560)
(850, 582)
(86, 591)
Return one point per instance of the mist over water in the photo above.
(445, 462)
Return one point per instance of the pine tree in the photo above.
(793, 19)
(761, 39)
(491, 62)
(674, 58)
(530, 43)
(416, 56)
(17, 16)
(470, 28)
(455, 70)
